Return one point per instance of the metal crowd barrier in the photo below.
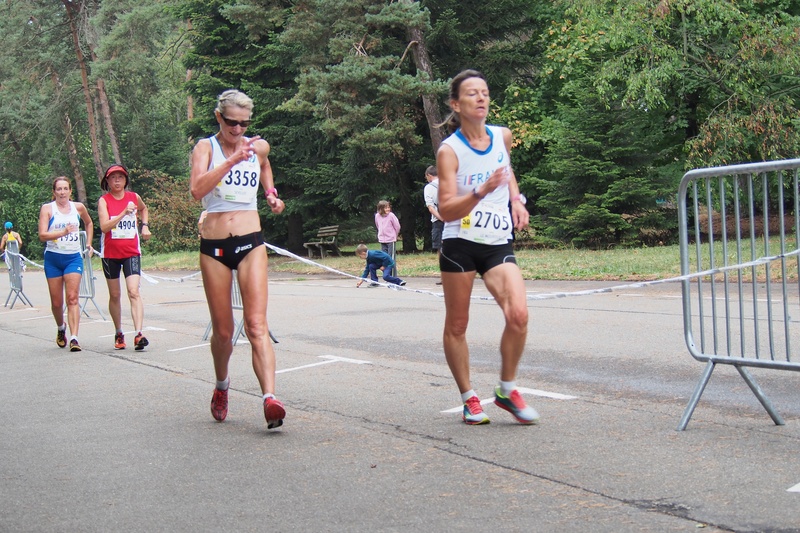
(87, 289)
(739, 228)
(236, 303)
(14, 262)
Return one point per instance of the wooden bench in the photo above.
(325, 243)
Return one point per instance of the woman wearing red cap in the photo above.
(227, 169)
(119, 211)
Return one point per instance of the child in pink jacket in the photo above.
(388, 230)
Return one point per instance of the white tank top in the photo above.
(66, 244)
(490, 221)
(237, 190)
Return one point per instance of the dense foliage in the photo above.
(610, 103)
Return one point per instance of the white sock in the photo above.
(62, 327)
(267, 395)
(74, 338)
(506, 387)
(223, 385)
(467, 395)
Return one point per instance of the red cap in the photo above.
(111, 170)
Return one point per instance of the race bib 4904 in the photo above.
(125, 229)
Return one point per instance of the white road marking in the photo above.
(328, 359)
(38, 318)
(84, 320)
(796, 488)
(148, 328)
(26, 308)
(190, 347)
(522, 390)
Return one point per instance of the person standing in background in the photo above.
(388, 230)
(431, 193)
(10, 235)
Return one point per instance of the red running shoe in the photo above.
(473, 412)
(219, 404)
(515, 405)
(140, 341)
(119, 341)
(274, 412)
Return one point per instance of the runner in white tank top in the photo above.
(63, 260)
(226, 171)
(480, 201)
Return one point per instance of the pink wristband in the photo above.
(273, 191)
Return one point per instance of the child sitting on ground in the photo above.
(376, 260)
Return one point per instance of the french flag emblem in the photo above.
(217, 252)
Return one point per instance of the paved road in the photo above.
(106, 440)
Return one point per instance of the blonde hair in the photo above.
(382, 205)
(361, 249)
(232, 97)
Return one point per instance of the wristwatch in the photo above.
(521, 198)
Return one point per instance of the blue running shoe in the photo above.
(515, 405)
(473, 412)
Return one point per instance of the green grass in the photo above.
(635, 264)
(631, 264)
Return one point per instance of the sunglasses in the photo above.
(232, 123)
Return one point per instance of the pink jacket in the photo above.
(388, 227)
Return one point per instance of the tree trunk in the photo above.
(106, 109)
(422, 61)
(189, 98)
(409, 209)
(72, 10)
(80, 185)
(294, 239)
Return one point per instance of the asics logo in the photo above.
(242, 248)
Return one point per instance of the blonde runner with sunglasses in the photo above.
(227, 169)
